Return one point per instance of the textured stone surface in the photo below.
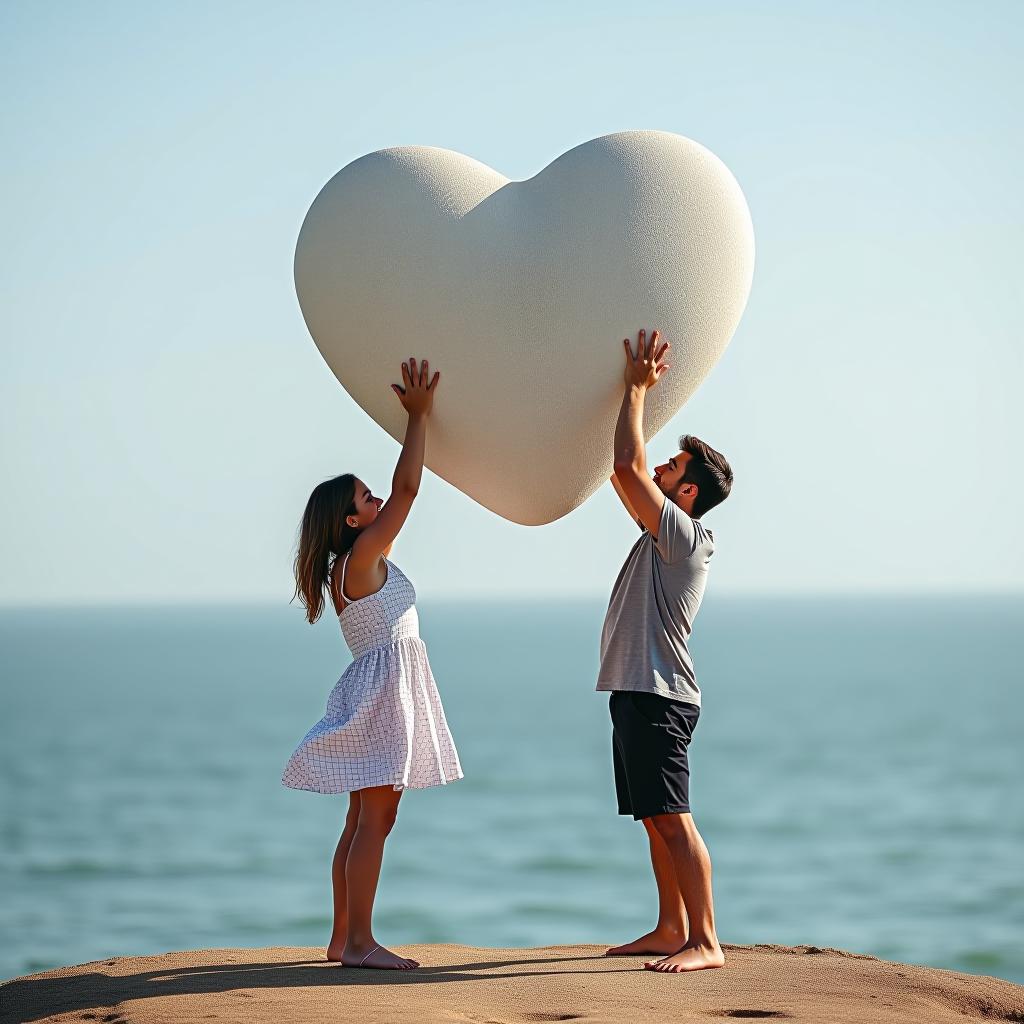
(520, 293)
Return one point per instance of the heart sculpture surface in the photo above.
(520, 293)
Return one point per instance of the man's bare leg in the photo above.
(693, 873)
(669, 934)
(338, 886)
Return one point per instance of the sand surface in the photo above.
(466, 984)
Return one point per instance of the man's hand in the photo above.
(417, 396)
(644, 370)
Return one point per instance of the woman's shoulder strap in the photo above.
(344, 566)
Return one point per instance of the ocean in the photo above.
(856, 774)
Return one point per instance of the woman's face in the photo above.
(365, 507)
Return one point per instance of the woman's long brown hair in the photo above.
(324, 537)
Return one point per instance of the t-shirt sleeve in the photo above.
(677, 533)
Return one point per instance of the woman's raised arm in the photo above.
(417, 398)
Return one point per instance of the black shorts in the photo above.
(650, 738)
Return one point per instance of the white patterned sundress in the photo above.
(384, 725)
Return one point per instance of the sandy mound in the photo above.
(494, 986)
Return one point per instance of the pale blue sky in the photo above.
(165, 413)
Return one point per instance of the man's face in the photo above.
(669, 475)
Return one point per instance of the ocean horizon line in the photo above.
(156, 602)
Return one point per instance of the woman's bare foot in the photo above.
(335, 950)
(689, 958)
(660, 940)
(376, 956)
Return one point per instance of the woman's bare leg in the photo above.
(378, 807)
(669, 934)
(337, 944)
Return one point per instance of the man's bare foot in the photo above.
(335, 950)
(660, 940)
(378, 957)
(689, 958)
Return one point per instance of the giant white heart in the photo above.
(520, 293)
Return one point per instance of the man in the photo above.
(655, 699)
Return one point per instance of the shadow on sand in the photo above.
(27, 999)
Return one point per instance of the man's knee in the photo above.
(671, 827)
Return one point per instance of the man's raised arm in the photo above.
(642, 372)
(625, 501)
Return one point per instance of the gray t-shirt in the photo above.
(652, 607)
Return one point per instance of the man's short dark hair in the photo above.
(709, 470)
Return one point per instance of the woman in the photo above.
(384, 730)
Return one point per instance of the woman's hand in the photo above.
(644, 370)
(417, 395)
